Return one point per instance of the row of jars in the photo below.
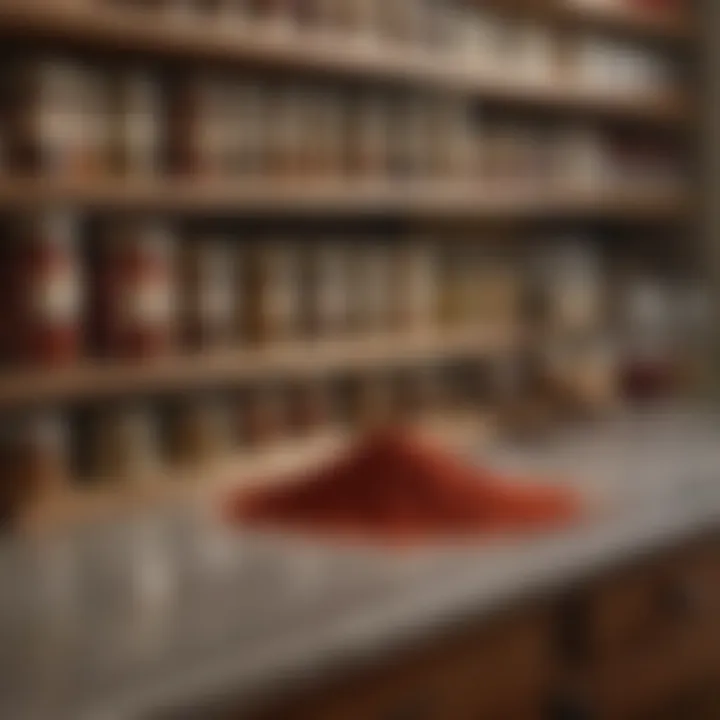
(137, 288)
(133, 441)
(466, 33)
(69, 121)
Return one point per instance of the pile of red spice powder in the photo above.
(394, 486)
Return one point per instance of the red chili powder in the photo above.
(394, 486)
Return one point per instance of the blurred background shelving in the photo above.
(236, 232)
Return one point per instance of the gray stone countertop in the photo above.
(160, 613)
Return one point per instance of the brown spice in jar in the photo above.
(200, 126)
(202, 431)
(39, 454)
(273, 299)
(122, 444)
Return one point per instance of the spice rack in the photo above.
(512, 171)
(293, 360)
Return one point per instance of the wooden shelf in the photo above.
(212, 369)
(108, 30)
(332, 197)
(630, 21)
(671, 27)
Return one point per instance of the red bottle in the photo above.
(134, 299)
(42, 286)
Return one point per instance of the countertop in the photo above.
(156, 613)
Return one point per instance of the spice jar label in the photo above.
(56, 299)
(148, 303)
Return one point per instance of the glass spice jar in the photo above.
(326, 295)
(57, 119)
(43, 290)
(367, 142)
(570, 279)
(408, 139)
(498, 293)
(136, 119)
(200, 126)
(286, 132)
(135, 290)
(123, 445)
(452, 305)
(209, 300)
(40, 452)
(454, 151)
(248, 152)
(415, 286)
(274, 298)
(465, 277)
(505, 156)
(370, 287)
(202, 431)
(329, 128)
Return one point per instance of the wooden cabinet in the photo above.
(652, 635)
(496, 672)
(645, 646)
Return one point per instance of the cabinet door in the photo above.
(498, 671)
(654, 633)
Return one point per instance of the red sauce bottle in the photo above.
(134, 299)
(43, 289)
